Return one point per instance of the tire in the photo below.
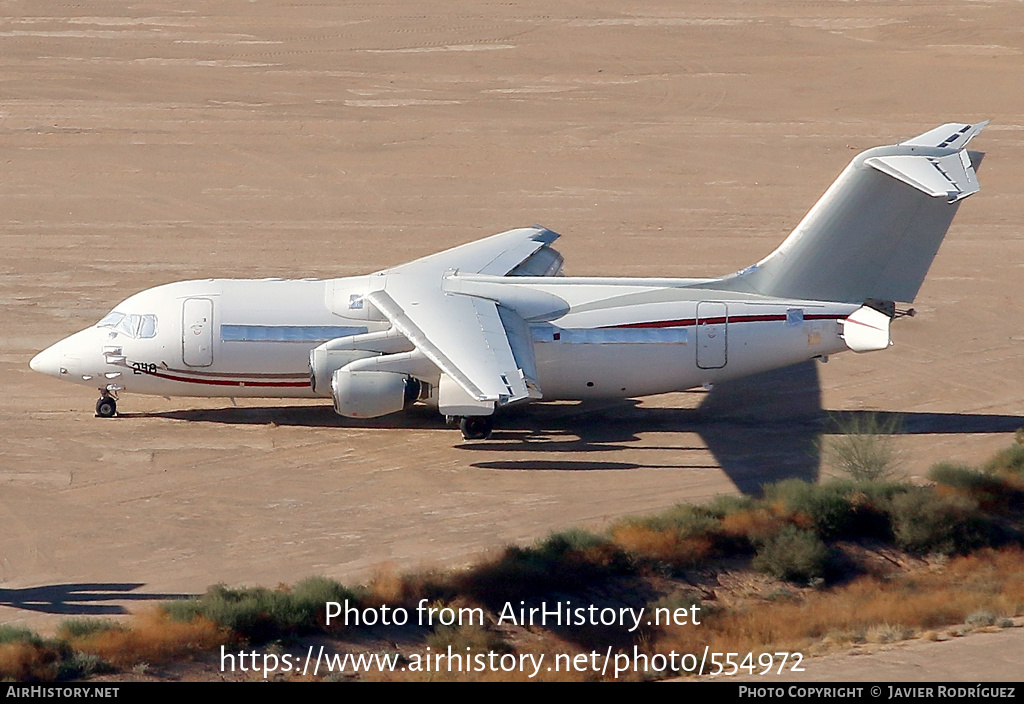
(106, 407)
(476, 427)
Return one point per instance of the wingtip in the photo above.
(544, 234)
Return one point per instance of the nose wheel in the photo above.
(476, 427)
(106, 407)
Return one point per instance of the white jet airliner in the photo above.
(493, 322)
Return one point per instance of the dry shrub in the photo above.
(27, 661)
(754, 525)
(153, 637)
(988, 580)
(865, 449)
(664, 545)
(387, 585)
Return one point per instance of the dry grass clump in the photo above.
(990, 581)
(683, 536)
(88, 646)
(665, 545)
(753, 525)
(30, 660)
(153, 637)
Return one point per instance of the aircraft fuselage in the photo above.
(592, 338)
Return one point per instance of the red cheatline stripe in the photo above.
(684, 322)
(233, 382)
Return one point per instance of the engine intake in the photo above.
(324, 362)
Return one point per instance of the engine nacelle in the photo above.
(323, 363)
(371, 394)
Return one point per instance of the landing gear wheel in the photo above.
(476, 427)
(106, 407)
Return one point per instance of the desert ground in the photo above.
(149, 142)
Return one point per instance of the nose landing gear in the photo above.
(106, 407)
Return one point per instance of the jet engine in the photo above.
(369, 394)
(324, 362)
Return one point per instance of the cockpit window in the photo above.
(129, 325)
(132, 325)
(148, 326)
(110, 320)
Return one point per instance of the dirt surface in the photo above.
(151, 142)
(994, 656)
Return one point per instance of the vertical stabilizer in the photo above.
(877, 229)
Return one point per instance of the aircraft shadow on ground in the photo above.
(761, 429)
(82, 599)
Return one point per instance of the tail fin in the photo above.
(877, 228)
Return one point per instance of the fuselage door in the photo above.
(197, 332)
(712, 334)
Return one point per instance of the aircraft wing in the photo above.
(480, 345)
(524, 251)
(463, 335)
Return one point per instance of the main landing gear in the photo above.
(474, 427)
(106, 407)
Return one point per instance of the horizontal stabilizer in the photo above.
(952, 135)
(950, 176)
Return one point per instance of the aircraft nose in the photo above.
(48, 361)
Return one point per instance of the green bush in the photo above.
(981, 486)
(793, 554)
(865, 449)
(574, 559)
(925, 522)
(83, 627)
(727, 504)
(825, 505)
(685, 519)
(310, 597)
(13, 634)
(259, 614)
(1009, 461)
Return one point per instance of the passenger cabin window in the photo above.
(132, 325)
(286, 333)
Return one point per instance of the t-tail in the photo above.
(875, 232)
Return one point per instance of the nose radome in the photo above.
(48, 361)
